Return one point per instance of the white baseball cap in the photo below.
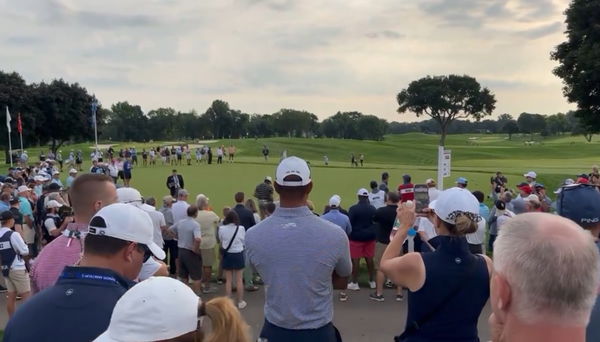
(72, 171)
(452, 201)
(158, 308)
(55, 172)
(129, 196)
(53, 204)
(39, 178)
(125, 222)
(23, 188)
(201, 196)
(293, 166)
(530, 174)
(362, 192)
(335, 201)
(268, 178)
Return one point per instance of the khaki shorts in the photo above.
(208, 257)
(28, 234)
(379, 249)
(18, 281)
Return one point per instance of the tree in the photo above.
(577, 128)
(557, 124)
(129, 121)
(445, 99)
(531, 123)
(66, 112)
(578, 61)
(510, 127)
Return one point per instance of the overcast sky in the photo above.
(263, 55)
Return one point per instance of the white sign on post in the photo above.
(446, 159)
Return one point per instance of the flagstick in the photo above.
(21, 134)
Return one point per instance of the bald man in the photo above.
(545, 281)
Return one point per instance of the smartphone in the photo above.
(421, 197)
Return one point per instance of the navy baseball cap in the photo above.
(579, 203)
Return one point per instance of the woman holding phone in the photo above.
(448, 287)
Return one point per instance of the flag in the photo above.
(19, 124)
(7, 120)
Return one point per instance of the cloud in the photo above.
(388, 34)
(262, 55)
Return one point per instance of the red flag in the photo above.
(19, 124)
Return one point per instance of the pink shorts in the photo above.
(362, 249)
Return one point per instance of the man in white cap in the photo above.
(56, 178)
(530, 177)
(53, 224)
(335, 216)
(278, 248)
(118, 241)
(151, 266)
(71, 178)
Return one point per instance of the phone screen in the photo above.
(421, 197)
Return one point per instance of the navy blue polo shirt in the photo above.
(77, 308)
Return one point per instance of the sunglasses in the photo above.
(146, 250)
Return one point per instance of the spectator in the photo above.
(25, 198)
(88, 194)
(56, 178)
(335, 216)
(54, 225)
(462, 182)
(384, 219)
(434, 193)
(406, 189)
(189, 237)
(450, 277)
(170, 246)
(546, 202)
(477, 238)
(376, 196)
(174, 183)
(18, 217)
(362, 238)
(209, 222)
(264, 194)
(251, 205)
(499, 215)
(119, 238)
(178, 309)
(595, 176)
(533, 204)
(519, 205)
(13, 256)
(158, 220)
(232, 237)
(278, 249)
(543, 299)
(247, 221)
(384, 182)
(179, 208)
(71, 178)
(530, 178)
(581, 204)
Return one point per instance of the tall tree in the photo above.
(130, 122)
(66, 112)
(531, 123)
(578, 61)
(510, 127)
(445, 99)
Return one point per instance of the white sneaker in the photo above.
(242, 304)
(353, 286)
(372, 284)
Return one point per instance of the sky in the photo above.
(263, 55)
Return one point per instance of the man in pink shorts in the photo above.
(362, 238)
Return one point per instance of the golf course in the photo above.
(475, 157)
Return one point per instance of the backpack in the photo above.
(57, 223)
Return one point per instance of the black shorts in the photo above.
(233, 261)
(190, 264)
(126, 175)
(120, 175)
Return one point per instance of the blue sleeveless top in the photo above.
(448, 266)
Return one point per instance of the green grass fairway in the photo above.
(475, 157)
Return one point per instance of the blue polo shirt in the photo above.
(335, 216)
(77, 308)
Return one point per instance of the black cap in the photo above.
(13, 200)
(500, 205)
(373, 184)
(6, 215)
(53, 187)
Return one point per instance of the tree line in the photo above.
(57, 112)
